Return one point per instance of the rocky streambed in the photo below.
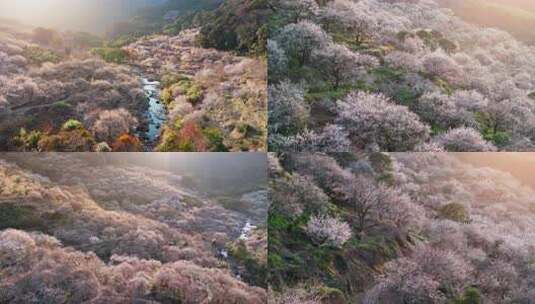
(155, 115)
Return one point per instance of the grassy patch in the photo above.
(256, 272)
(385, 73)
(27, 141)
(187, 87)
(215, 138)
(62, 105)
(321, 93)
(72, 124)
(455, 212)
(490, 130)
(37, 55)
(16, 216)
(111, 54)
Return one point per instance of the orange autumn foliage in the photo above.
(127, 143)
(191, 138)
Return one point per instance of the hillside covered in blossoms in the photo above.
(170, 78)
(402, 228)
(400, 75)
(165, 232)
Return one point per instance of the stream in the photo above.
(245, 233)
(155, 115)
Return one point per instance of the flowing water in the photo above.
(156, 113)
(246, 231)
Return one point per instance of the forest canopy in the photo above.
(396, 76)
(400, 228)
(72, 232)
(167, 77)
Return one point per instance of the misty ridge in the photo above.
(145, 229)
(95, 16)
(211, 174)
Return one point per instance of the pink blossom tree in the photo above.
(111, 124)
(340, 64)
(326, 230)
(439, 64)
(298, 10)
(288, 111)
(464, 140)
(374, 119)
(300, 39)
(332, 138)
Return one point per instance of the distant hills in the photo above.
(78, 15)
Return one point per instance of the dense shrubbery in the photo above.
(111, 124)
(470, 86)
(237, 25)
(42, 99)
(37, 55)
(216, 101)
(49, 101)
(322, 214)
(227, 25)
(111, 55)
(139, 238)
(192, 91)
(437, 230)
(43, 271)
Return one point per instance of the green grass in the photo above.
(72, 124)
(15, 216)
(385, 73)
(62, 105)
(320, 93)
(256, 272)
(193, 92)
(111, 54)
(215, 137)
(37, 55)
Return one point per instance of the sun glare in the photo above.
(30, 6)
(77, 15)
(35, 12)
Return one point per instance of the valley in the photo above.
(76, 231)
(147, 85)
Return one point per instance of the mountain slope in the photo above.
(145, 237)
(399, 228)
(396, 76)
(149, 85)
